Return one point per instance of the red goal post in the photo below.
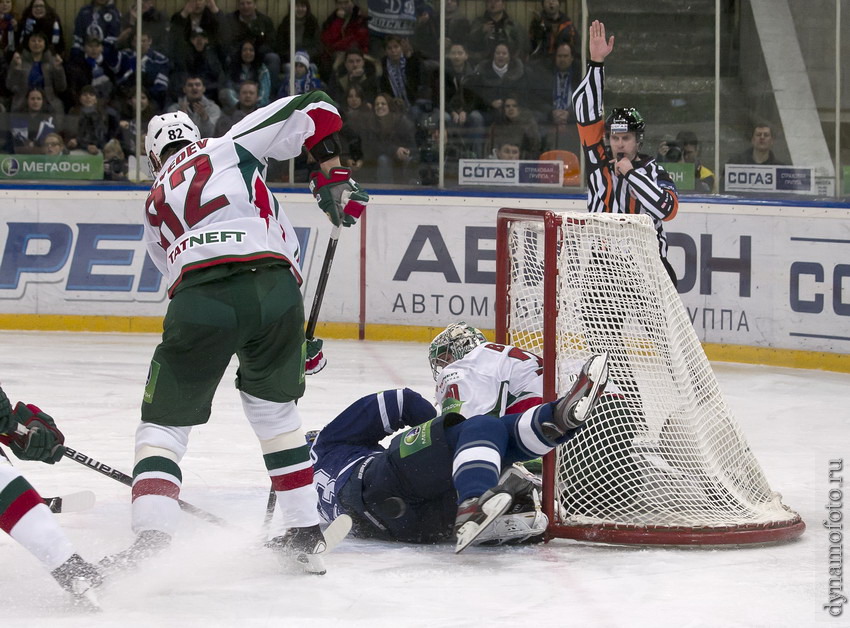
(662, 460)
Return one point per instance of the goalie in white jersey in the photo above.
(478, 377)
(231, 261)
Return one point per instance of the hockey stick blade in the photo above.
(336, 532)
(72, 502)
(333, 535)
(126, 480)
(311, 561)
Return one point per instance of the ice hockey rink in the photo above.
(795, 421)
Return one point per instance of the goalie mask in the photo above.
(165, 129)
(451, 344)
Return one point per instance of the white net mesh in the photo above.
(666, 454)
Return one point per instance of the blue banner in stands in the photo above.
(752, 178)
(794, 179)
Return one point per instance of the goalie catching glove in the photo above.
(339, 196)
(43, 441)
(315, 360)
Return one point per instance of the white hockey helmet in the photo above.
(451, 344)
(166, 129)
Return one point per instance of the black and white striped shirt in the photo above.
(646, 189)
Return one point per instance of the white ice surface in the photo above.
(795, 422)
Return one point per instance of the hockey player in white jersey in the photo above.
(23, 514)
(230, 258)
(475, 376)
(478, 377)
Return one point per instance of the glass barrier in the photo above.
(739, 97)
(778, 101)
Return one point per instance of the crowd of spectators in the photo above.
(504, 83)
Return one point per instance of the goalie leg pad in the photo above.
(524, 521)
(571, 411)
(513, 529)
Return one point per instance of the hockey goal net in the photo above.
(662, 461)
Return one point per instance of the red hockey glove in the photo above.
(339, 196)
(315, 361)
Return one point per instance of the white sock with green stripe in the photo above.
(286, 456)
(26, 518)
(157, 477)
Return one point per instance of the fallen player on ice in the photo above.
(446, 477)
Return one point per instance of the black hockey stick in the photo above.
(267, 520)
(125, 479)
(71, 502)
(323, 283)
(309, 333)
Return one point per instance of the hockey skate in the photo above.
(475, 514)
(80, 579)
(572, 410)
(301, 547)
(524, 521)
(147, 544)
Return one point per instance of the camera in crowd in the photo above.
(114, 166)
(674, 152)
(429, 139)
(429, 147)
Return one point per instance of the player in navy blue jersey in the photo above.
(445, 475)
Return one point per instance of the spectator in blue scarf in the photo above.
(41, 17)
(30, 125)
(36, 67)
(98, 19)
(306, 76)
